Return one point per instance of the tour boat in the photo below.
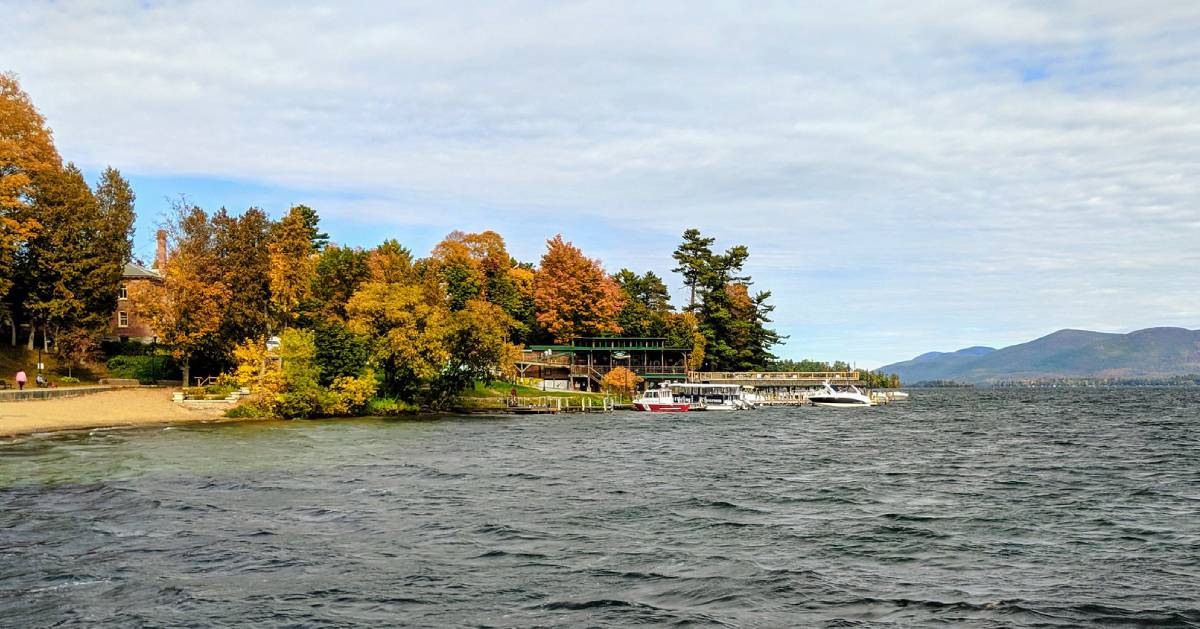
(711, 397)
(659, 401)
(828, 396)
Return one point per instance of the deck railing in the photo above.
(808, 376)
(641, 370)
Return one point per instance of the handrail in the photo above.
(773, 375)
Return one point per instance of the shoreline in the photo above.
(121, 408)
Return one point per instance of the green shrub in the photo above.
(145, 369)
(246, 411)
(68, 380)
(127, 348)
(389, 407)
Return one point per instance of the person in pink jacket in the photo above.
(21, 379)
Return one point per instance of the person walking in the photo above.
(21, 379)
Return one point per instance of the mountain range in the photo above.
(1149, 353)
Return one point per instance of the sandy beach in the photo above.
(126, 407)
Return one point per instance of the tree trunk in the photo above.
(12, 326)
(692, 303)
(187, 372)
(32, 334)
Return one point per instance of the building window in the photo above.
(123, 293)
(122, 319)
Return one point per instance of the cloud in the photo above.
(901, 172)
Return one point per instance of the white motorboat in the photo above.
(829, 396)
(660, 401)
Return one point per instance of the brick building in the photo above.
(125, 324)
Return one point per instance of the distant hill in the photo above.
(1149, 353)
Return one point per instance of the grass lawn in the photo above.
(13, 359)
(502, 389)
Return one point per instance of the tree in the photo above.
(340, 352)
(243, 264)
(77, 347)
(477, 347)
(293, 263)
(573, 294)
(732, 321)
(620, 381)
(27, 157)
(115, 201)
(683, 330)
(694, 255)
(186, 308)
(390, 263)
(308, 219)
(520, 304)
(68, 271)
(339, 273)
(647, 304)
(407, 330)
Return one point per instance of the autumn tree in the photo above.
(620, 381)
(390, 263)
(293, 246)
(520, 304)
(477, 347)
(27, 158)
(408, 331)
(573, 294)
(186, 308)
(683, 330)
(461, 275)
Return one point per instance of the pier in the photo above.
(776, 379)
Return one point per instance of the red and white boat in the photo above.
(659, 401)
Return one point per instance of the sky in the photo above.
(908, 176)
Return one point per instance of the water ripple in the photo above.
(960, 508)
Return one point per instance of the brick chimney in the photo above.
(160, 256)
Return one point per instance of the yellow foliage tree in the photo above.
(187, 306)
(409, 332)
(293, 265)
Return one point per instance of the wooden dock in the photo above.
(547, 405)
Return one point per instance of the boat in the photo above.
(829, 396)
(659, 401)
(711, 397)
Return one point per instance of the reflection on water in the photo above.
(984, 508)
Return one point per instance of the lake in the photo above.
(985, 508)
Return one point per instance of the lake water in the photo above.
(1034, 508)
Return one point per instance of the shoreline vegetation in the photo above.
(317, 329)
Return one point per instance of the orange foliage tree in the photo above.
(27, 156)
(573, 295)
(620, 381)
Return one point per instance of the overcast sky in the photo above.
(908, 176)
